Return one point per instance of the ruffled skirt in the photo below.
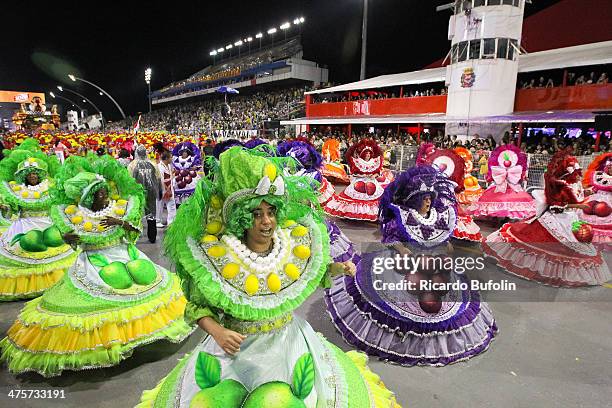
(401, 332)
(75, 327)
(26, 275)
(264, 370)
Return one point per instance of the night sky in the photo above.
(112, 45)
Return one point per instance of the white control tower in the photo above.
(481, 78)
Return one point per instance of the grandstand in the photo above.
(279, 64)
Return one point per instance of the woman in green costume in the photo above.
(33, 256)
(250, 248)
(113, 298)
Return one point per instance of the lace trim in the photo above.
(563, 233)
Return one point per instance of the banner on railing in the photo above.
(235, 133)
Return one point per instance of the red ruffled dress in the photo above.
(360, 199)
(544, 249)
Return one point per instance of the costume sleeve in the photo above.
(196, 307)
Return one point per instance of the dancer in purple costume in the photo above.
(404, 326)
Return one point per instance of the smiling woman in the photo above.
(258, 251)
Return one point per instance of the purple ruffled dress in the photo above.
(396, 329)
(388, 322)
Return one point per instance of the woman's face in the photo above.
(101, 198)
(32, 179)
(425, 205)
(368, 156)
(264, 225)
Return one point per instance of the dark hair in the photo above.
(165, 155)
(101, 151)
(124, 153)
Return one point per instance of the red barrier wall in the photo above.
(391, 106)
(564, 98)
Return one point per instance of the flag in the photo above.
(137, 125)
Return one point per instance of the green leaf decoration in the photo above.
(207, 371)
(303, 376)
(132, 252)
(506, 157)
(576, 225)
(98, 260)
(16, 238)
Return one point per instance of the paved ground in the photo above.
(552, 353)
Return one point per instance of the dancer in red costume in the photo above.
(359, 200)
(505, 197)
(552, 248)
(598, 178)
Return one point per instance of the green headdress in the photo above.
(80, 177)
(27, 158)
(82, 187)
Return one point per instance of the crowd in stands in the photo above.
(549, 79)
(242, 112)
(395, 92)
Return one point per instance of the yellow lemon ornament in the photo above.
(71, 209)
(274, 283)
(88, 226)
(288, 223)
(216, 251)
(299, 231)
(209, 239)
(270, 171)
(25, 194)
(230, 270)
(251, 284)
(36, 194)
(77, 219)
(292, 271)
(301, 251)
(120, 211)
(214, 227)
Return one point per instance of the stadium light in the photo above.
(258, 35)
(296, 21)
(83, 97)
(219, 50)
(73, 78)
(272, 31)
(238, 43)
(213, 53)
(285, 27)
(148, 81)
(302, 20)
(101, 94)
(73, 103)
(249, 39)
(229, 47)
